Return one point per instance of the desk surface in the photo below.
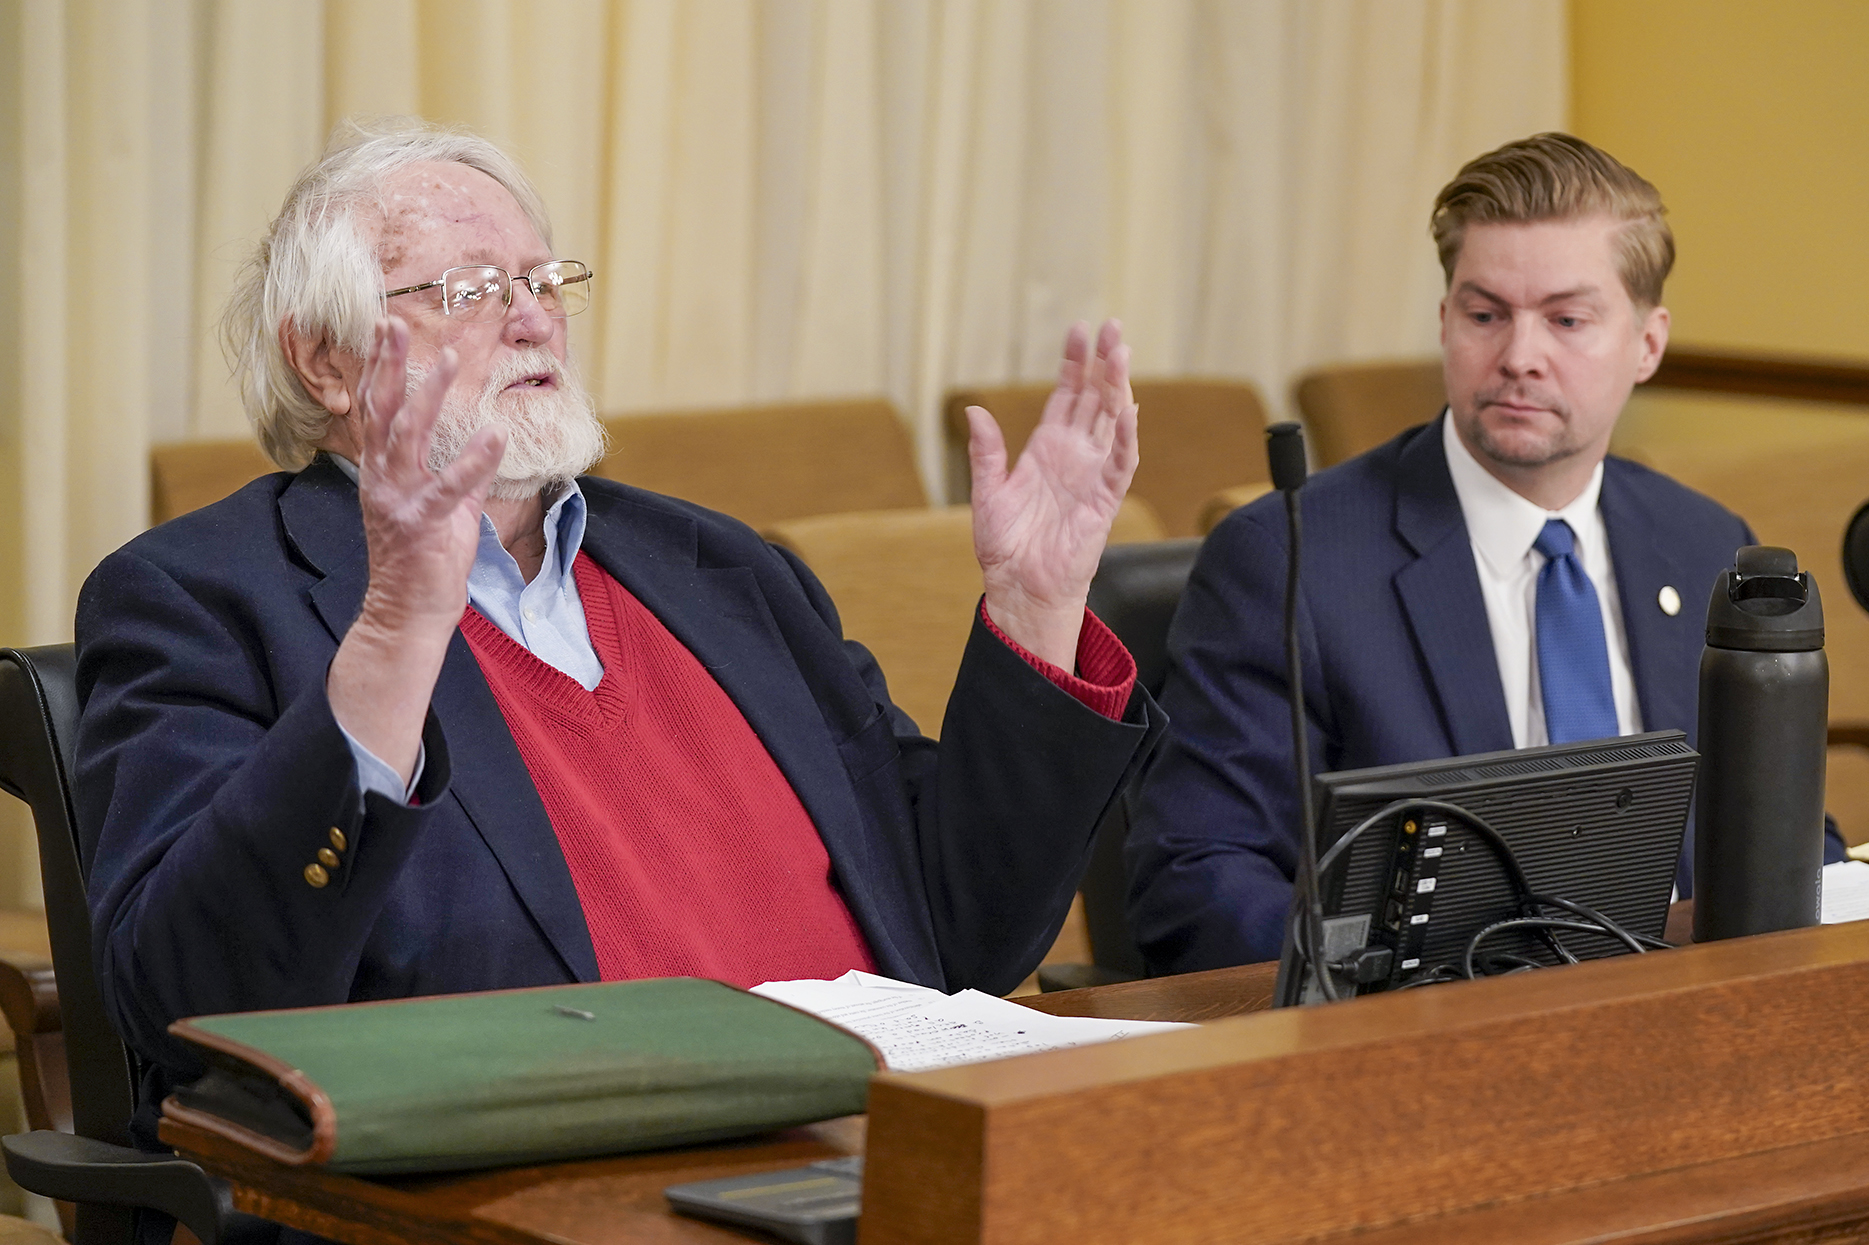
(616, 1200)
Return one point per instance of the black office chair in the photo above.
(1135, 592)
(94, 1166)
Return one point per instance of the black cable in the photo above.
(1490, 965)
(1440, 974)
(1515, 874)
(1466, 820)
(1531, 917)
(1591, 914)
(1546, 922)
(1517, 963)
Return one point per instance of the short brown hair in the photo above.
(1558, 177)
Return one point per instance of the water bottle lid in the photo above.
(1765, 604)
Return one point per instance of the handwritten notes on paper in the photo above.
(916, 1028)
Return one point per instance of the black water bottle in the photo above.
(1764, 709)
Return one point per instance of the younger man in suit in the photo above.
(1490, 580)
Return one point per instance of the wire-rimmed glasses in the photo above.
(472, 292)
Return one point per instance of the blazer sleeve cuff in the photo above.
(1106, 673)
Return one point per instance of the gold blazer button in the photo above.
(315, 876)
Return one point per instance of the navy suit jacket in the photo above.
(1398, 666)
(210, 771)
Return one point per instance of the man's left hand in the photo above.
(1040, 529)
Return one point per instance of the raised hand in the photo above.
(422, 529)
(1040, 528)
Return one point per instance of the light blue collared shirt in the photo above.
(544, 617)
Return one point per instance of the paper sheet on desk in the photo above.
(1846, 892)
(916, 1028)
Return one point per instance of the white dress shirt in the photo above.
(1502, 526)
(544, 617)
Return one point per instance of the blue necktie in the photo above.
(1573, 659)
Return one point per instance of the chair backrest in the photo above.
(1135, 593)
(1226, 501)
(38, 729)
(905, 583)
(1198, 437)
(1353, 407)
(188, 475)
(763, 464)
(1799, 496)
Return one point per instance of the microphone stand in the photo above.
(1285, 456)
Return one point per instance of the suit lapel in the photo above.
(1441, 598)
(721, 615)
(319, 511)
(495, 790)
(490, 781)
(1643, 566)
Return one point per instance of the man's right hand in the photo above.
(422, 529)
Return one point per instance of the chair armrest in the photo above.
(1056, 977)
(29, 1000)
(79, 1169)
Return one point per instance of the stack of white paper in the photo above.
(916, 1028)
(1846, 892)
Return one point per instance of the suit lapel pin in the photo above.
(1669, 600)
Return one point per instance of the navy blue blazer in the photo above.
(210, 771)
(1398, 666)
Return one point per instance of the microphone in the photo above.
(1284, 448)
(1284, 452)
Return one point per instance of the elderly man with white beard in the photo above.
(432, 712)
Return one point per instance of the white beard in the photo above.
(552, 434)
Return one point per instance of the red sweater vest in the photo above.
(690, 852)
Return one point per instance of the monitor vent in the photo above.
(1640, 752)
(1498, 769)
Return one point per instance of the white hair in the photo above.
(315, 268)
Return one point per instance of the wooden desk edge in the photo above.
(1222, 992)
(491, 1207)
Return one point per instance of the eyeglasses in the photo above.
(563, 288)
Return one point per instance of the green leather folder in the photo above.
(517, 1076)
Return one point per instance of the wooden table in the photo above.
(617, 1200)
(1813, 1192)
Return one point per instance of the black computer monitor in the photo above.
(1599, 824)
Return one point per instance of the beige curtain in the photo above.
(781, 198)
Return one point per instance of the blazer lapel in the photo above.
(720, 614)
(319, 511)
(1643, 566)
(495, 790)
(1440, 596)
(490, 780)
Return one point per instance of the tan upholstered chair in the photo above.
(1354, 407)
(762, 464)
(1226, 501)
(906, 583)
(1799, 497)
(188, 475)
(1198, 437)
